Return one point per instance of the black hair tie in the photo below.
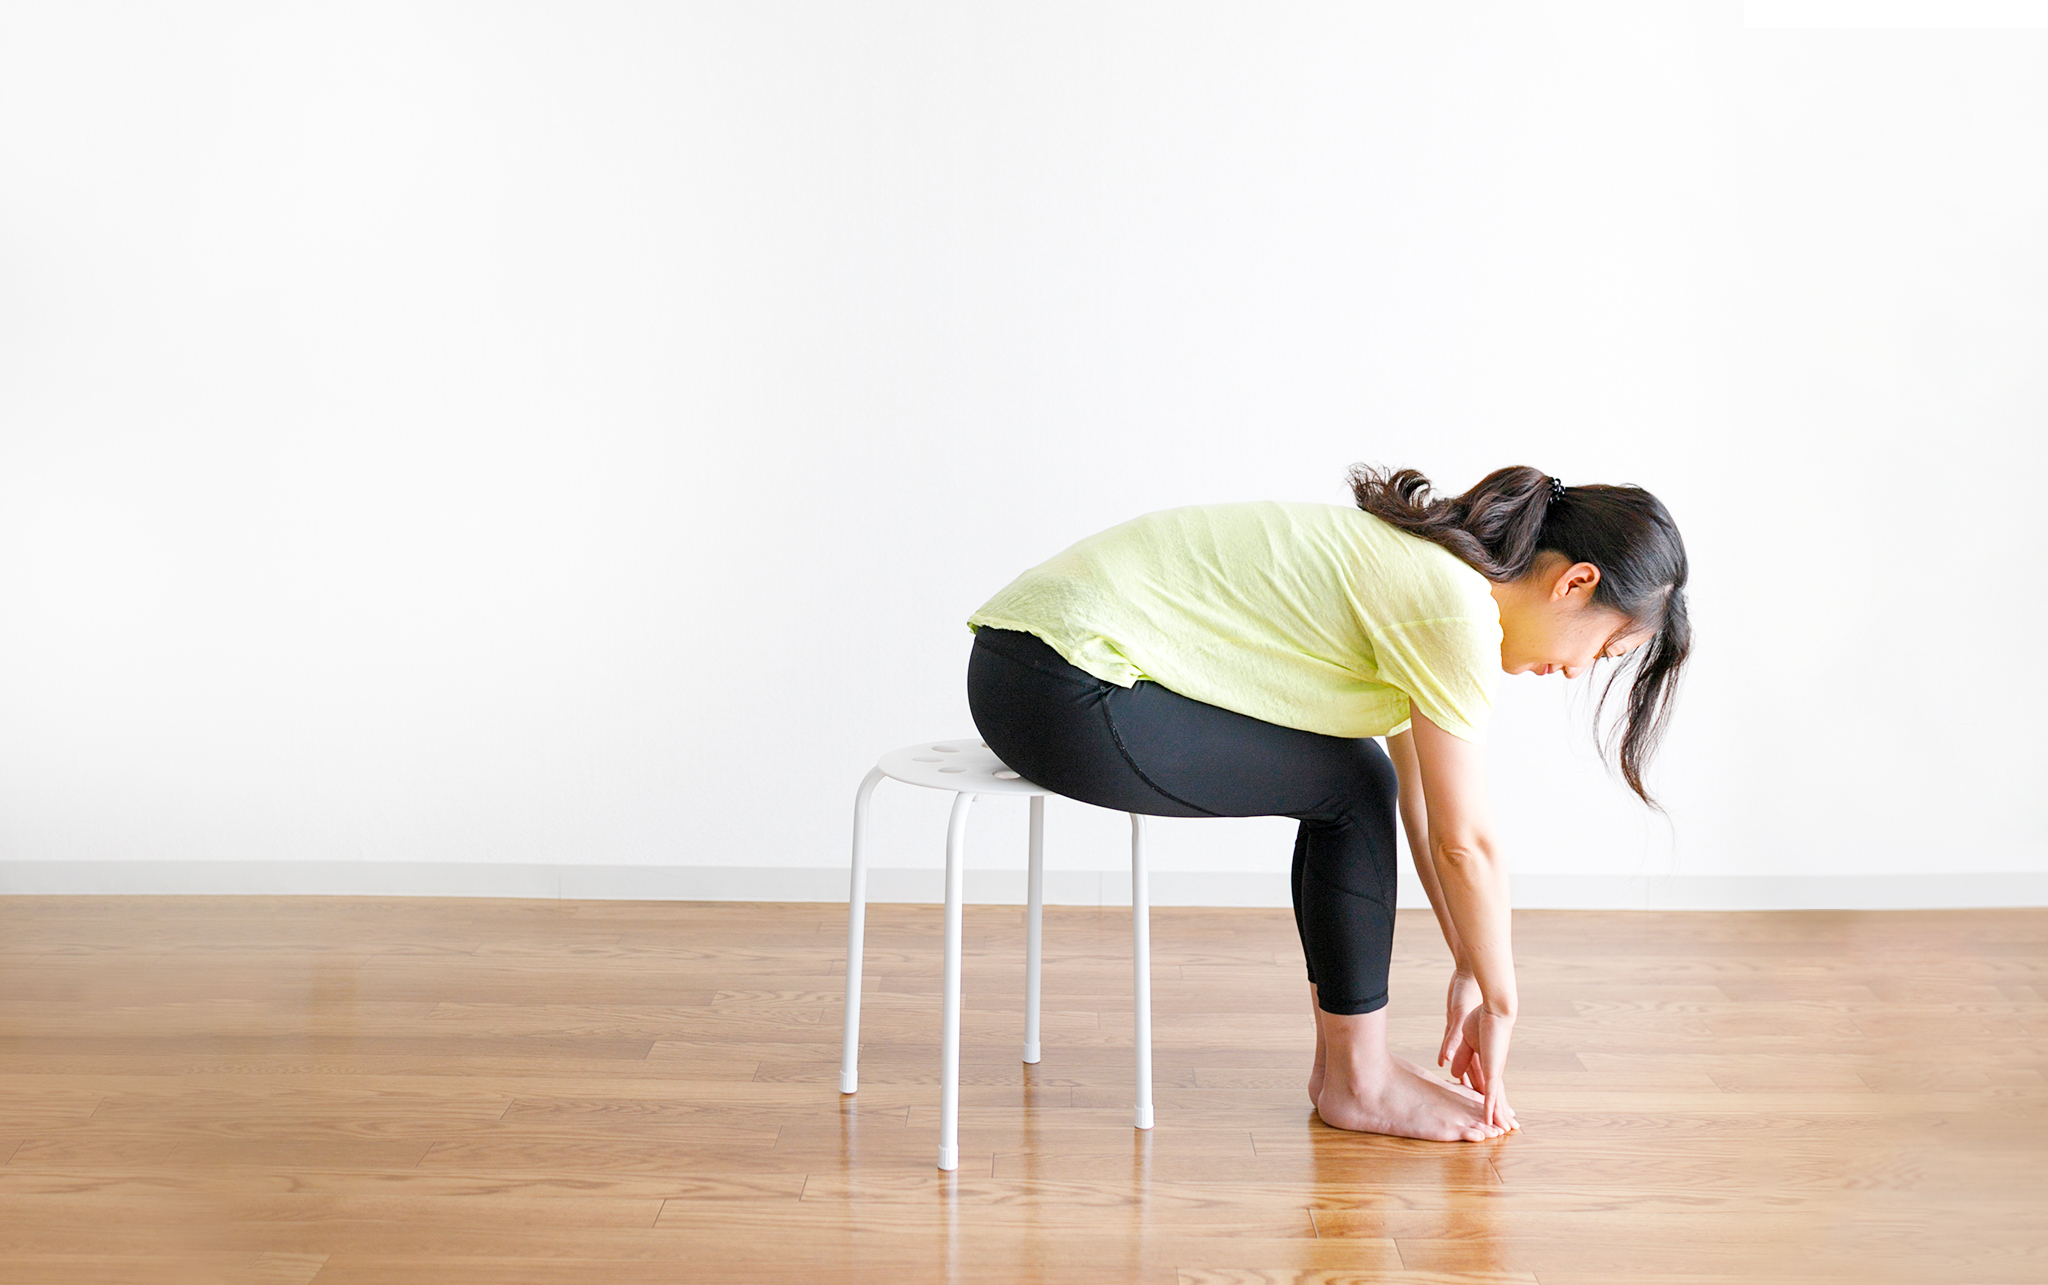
(1556, 489)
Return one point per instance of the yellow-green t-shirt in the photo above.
(1307, 615)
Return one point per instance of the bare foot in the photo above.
(1452, 1085)
(1404, 1104)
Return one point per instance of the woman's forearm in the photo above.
(1473, 885)
(1471, 877)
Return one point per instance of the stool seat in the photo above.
(964, 765)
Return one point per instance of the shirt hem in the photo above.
(978, 619)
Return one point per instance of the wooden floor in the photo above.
(379, 1092)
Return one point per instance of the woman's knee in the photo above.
(1367, 794)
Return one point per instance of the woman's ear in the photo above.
(1580, 578)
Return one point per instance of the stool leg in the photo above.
(856, 927)
(949, 1040)
(1034, 919)
(1141, 957)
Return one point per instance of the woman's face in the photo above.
(1549, 623)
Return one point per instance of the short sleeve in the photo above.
(1447, 668)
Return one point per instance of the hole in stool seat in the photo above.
(952, 769)
(947, 749)
(1007, 775)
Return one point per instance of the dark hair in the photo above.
(1514, 514)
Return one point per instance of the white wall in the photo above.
(572, 434)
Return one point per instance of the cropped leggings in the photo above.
(1150, 750)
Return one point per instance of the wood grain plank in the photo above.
(1342, 1276)
(184, 1269)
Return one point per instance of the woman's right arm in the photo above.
(1474, 881)
(1415, 822)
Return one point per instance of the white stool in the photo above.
(967, 767)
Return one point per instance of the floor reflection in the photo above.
(1439, 1203)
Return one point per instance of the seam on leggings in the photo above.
(1341, 890)
(1109, 721)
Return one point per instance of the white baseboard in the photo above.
(1001, 887)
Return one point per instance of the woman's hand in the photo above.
(1458, 1005)
(1481, 1063)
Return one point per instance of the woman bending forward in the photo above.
(1236, 660)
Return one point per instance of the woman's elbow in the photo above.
(1475, 854)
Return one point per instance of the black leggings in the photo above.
(1146, 749)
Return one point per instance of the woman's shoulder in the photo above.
(1413, 577)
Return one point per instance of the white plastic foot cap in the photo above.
(1031, 1053)
(1144, 1120)
(949, 1158)
(849, 1083)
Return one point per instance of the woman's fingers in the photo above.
(1459, 1001)
(1496, 1067)
(1464, 1063)
(1483, 1063)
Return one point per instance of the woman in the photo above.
(1235, 660)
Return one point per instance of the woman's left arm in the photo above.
(1474, 879)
